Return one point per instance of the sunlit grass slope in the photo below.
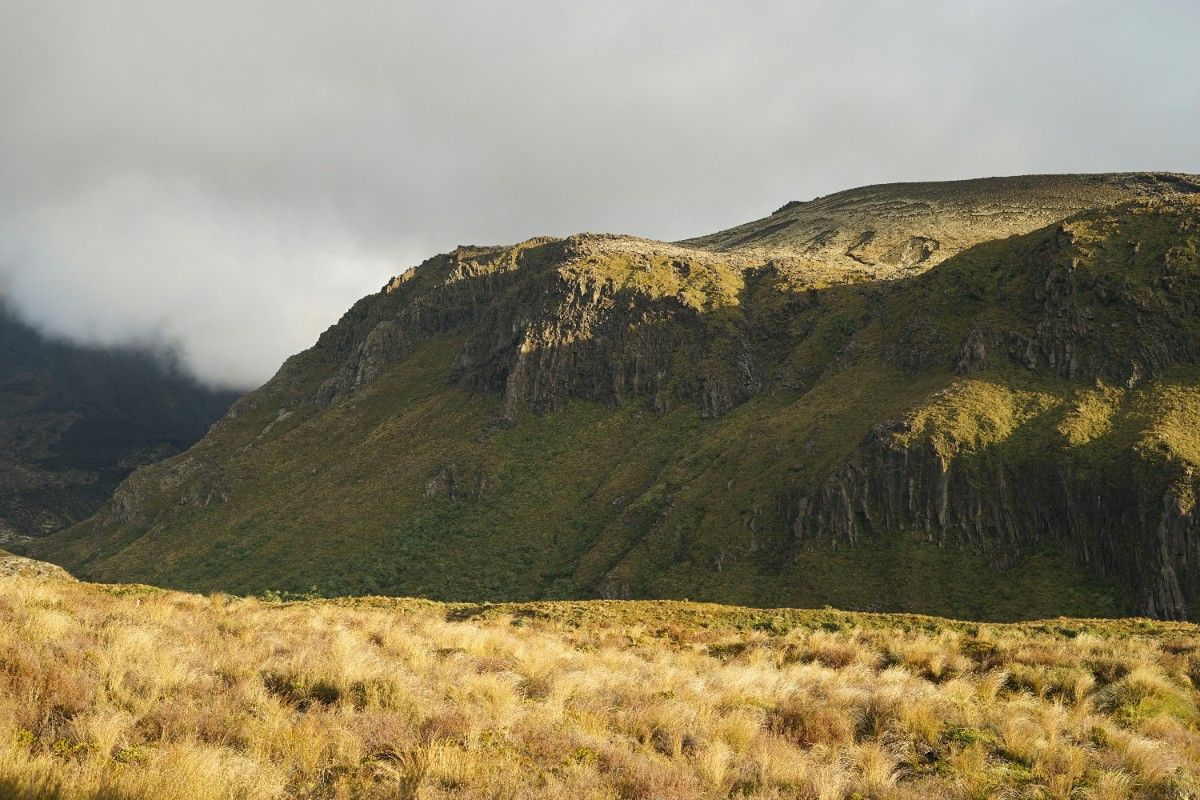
(130, 692)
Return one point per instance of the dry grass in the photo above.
(115, 692)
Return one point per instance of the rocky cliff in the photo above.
(855, 400)
(1108, 303)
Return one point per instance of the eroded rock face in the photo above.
(455, 482)
(1088, 325)
(1098, 302)
(610, 318)
(591, 317)
(1124, 529)
(578, 332)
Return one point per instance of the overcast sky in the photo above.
(227, 177)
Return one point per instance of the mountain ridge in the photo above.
(843, 223)
(607, 416)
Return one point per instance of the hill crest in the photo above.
(887, 230)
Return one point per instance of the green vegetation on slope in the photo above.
(1003, 436)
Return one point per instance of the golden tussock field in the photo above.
(131, 692)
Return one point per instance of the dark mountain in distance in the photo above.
(975, 398)
(75, 420)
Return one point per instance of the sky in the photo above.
(223, 179)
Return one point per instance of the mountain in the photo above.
(977, 399)
(75, 420)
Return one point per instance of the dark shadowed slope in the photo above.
(74, 421)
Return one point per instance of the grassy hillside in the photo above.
(892, 229)
(131, 692)
(1010, 434)
(566, 502)
(11, 565)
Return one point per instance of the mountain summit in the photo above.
(974, 398)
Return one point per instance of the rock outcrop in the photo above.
(606, 317)
(1126, 527)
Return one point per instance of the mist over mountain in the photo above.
(75, 420)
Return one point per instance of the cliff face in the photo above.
(74, 421)
(1134, 526)
(1107, 302)
(766, 415)
(604, 317)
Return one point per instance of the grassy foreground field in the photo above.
(131, 692)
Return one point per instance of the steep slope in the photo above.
(1009, 433)
(74, 421)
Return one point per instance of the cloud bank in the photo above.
(227, 177)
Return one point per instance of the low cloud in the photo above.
(229, 177)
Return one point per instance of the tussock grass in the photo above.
(129, 692)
